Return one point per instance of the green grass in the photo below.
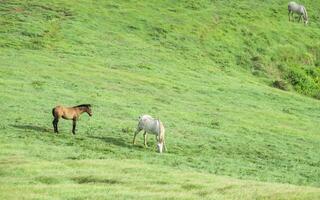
(204, 68)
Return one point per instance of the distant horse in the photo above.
(152, 126)
(293, 7)
(69, 113)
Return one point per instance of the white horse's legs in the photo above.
(289, 15)
(145, 138)
(156, 138)
(135, 134)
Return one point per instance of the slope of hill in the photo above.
(203, 67)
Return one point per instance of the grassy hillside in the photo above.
(203, 67)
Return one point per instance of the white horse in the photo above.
(293, 7)
(152, 126)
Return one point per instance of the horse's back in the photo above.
(292, 3)
(150, 124)
(145, 117)
(145, 120)
(64, 112)
(292, 6)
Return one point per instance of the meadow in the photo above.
(205, 68)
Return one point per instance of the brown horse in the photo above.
(70, 113)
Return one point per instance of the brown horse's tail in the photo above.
(53, 109)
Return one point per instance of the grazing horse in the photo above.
(152, 126)
(293, 7)
(69, 113)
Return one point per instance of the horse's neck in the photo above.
(81, 110)
(305, 14)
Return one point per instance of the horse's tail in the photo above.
(53, 109)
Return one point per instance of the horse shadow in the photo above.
(31, 127)
(115, 141)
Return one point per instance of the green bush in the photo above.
(302, 82)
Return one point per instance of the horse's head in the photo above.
(160, 147)
(88, 110)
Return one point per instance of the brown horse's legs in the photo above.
(55, 125)
(74, 126)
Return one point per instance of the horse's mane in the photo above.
(82, 105)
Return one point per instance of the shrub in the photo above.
(280, 84)
(301, 82)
